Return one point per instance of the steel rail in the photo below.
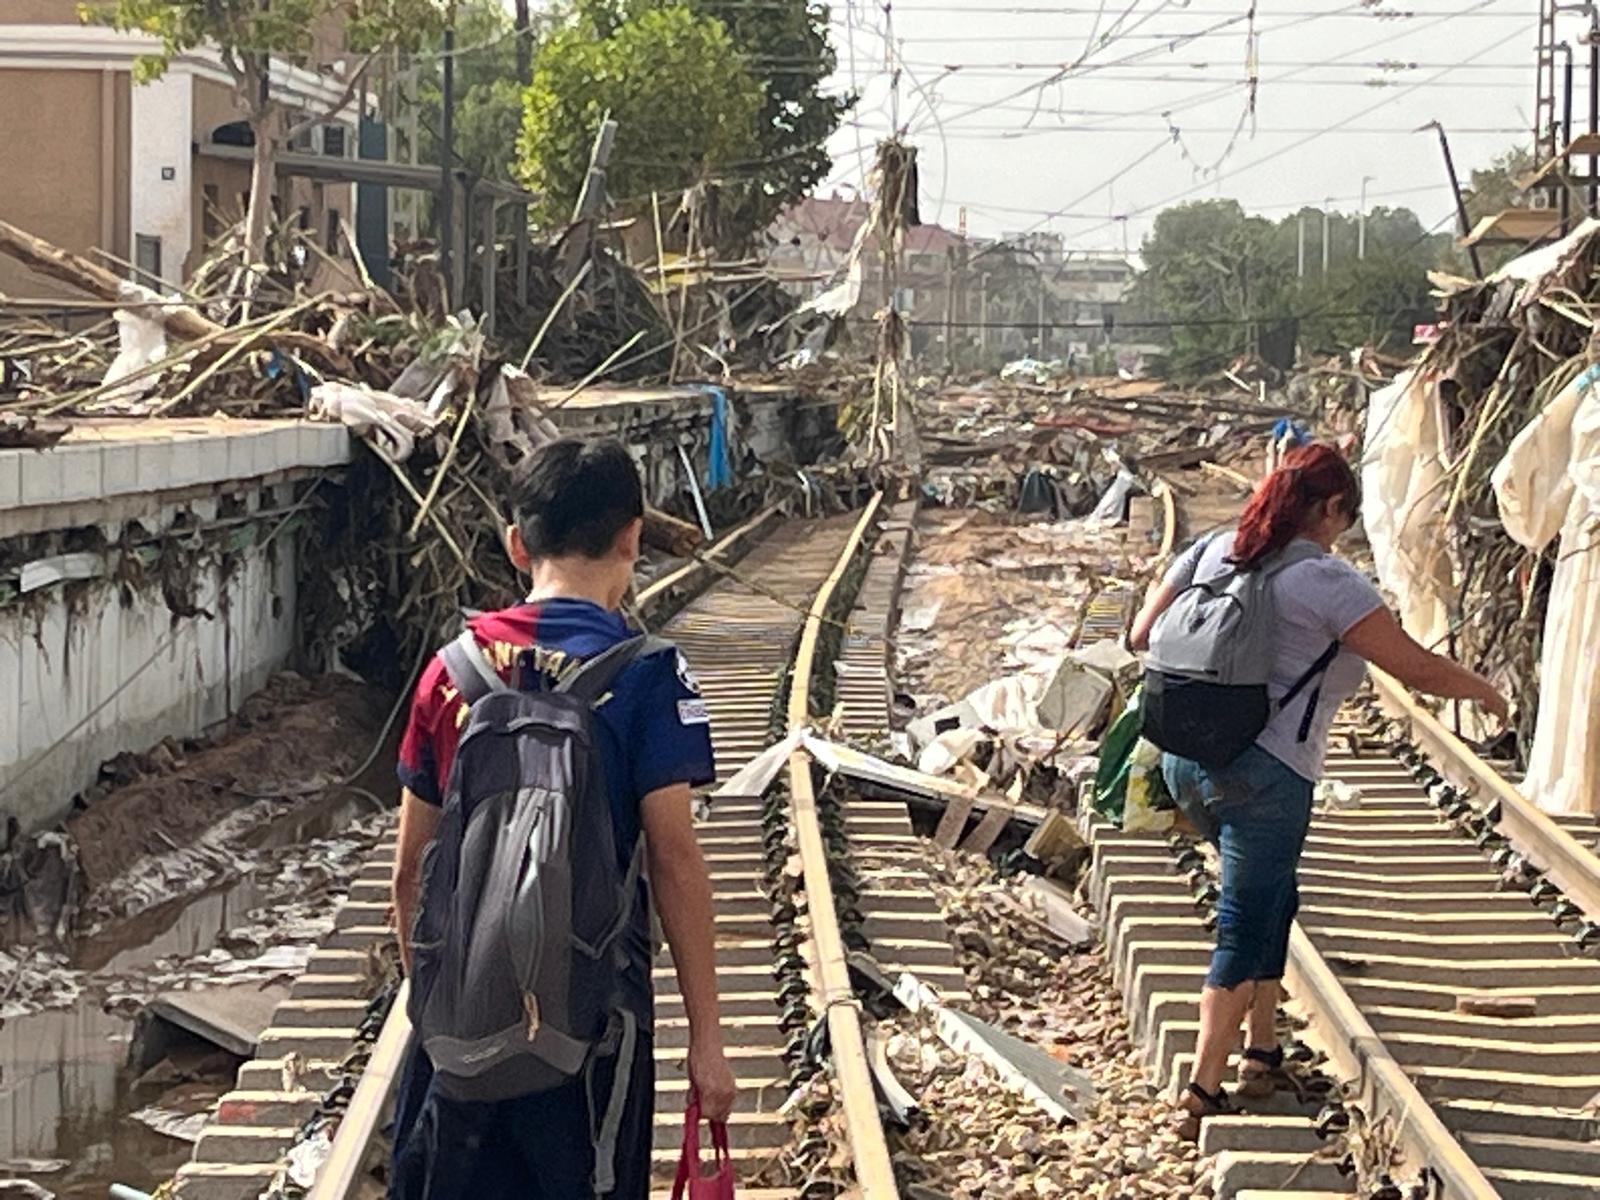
(851, 1063)
(1358, 1055)
(341, 1172)
(1569, 864)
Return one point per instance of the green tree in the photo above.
(1217, 274)
(787, 46)
(248, 35)
(1231, 282)
(673, 81)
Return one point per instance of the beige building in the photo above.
(95, 162)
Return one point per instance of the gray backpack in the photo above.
(1211, 654)
(518, 948)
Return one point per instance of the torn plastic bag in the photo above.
(141, 343)
(1148, 807)
(388, 423)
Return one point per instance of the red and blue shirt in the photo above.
(654, 728)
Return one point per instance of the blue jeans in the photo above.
(1256, 811)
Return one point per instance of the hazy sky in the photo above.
(1027, 124)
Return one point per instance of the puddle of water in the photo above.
(65, 1090)
(61, 1094)
(192, 925)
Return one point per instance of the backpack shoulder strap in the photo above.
(591, 681)
(470, 669)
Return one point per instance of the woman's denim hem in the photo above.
(1256, 810)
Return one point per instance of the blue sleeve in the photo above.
(671, 728)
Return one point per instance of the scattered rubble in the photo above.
(982, 1138)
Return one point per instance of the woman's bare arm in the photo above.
(1380, 640)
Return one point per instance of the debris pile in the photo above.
(995, 688)
(1481, 480)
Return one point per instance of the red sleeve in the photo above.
(428, 745)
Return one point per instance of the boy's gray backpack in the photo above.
(1210, 659)
(518, 948)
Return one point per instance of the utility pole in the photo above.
(1041, 348)
(1594, 106)
(447, 155)
(1566, 138)
(983, 318)
(1361, 220)
(1455, 186)
(1300, 249)
(949, 309)
(1327, 206)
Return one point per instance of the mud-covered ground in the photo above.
(288, 743)
(207, 864)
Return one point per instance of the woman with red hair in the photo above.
(1330, 623)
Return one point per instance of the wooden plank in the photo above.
(988, 830)
(953, 822)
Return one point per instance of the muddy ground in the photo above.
(288, 742)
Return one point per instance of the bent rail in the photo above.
(869, 1149)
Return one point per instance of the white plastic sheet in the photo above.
(141, 343)
(388, 422)
(1548, 486)
(1402, 504)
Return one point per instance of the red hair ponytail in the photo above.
(1282, 502)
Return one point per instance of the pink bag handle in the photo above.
(689, 1155)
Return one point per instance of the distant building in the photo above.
(1094, 287)
(95, 161)
(815, 238)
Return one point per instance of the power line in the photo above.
(1295, 145)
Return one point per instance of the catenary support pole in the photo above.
(447, 186)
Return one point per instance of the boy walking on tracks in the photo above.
(547, 768)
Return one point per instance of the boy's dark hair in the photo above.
(572, 497)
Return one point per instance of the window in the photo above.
(334, 221)
(333, 141)
(147, 258)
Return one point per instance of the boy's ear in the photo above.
(517, 550)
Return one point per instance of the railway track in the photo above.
(1444, 962)
(800, 879)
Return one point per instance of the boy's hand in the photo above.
(712, 1080)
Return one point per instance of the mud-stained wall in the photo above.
(147, 589)
(93, 668)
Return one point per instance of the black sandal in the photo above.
(1259, 1084)
(1194, 1106)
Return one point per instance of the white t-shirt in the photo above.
(1317, 600)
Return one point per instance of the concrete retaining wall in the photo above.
(100, 654)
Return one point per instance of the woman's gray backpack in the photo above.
(1211, 655)
(518, 949)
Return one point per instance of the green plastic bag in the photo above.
(1116, 753)
(1128, 785)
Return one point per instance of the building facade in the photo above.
(104, 166)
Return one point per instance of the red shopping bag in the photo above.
(697, 1180)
